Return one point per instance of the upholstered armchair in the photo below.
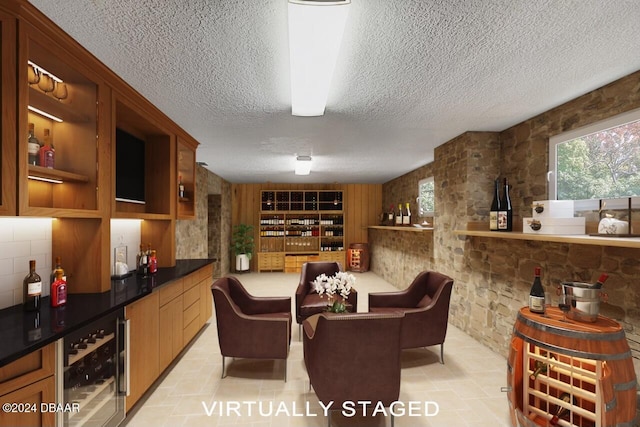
(425, 304)
(251, 327)
(308, 302)
(353, 357)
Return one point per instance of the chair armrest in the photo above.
(390, 299)
(261, 305)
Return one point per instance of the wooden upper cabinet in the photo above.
(186, 170)
(60, 96)
(8, 117)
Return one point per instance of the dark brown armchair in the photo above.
(353, 357)
(251, 327)
(308, 302)
(425, 304)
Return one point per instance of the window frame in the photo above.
(421, 213)
(555, 140)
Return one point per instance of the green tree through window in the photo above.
(603, 164)
(426, 199)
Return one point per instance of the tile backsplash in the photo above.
(24, 239)
(21, 240)
(125, 232)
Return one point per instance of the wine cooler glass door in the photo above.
(92, 364)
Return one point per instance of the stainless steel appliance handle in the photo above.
(127, 358)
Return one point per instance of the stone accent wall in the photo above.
(192, 239)
(392, 262)
(405, 189)
(493, 275)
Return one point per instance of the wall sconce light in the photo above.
(315, 33)
(303, 165)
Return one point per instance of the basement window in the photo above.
(599, 161)
(426, 199)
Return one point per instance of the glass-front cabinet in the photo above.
(58, 135)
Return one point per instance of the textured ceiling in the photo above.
(411, 75)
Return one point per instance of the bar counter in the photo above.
(22, 332)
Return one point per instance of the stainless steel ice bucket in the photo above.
(584, 300)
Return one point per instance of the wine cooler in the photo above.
(94, 381)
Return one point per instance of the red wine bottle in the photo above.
(495, 207)
(536, 294)
(505, 214)
(561, 411)
(32, 289)
(603, 278)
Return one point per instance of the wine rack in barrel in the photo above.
(581, 373)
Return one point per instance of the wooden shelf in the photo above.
(411, 228)
(60, 109)
(47, 173)
(579, 239)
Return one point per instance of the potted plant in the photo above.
(242, 242)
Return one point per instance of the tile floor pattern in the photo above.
(466, 388)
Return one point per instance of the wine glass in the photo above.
(46, 83)
(60, 91)
(33, 75)
(564, 304)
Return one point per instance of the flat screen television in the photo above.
(129, 167)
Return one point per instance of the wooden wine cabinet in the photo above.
(300, 226)
(590, 363)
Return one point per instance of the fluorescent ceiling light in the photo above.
(315, 33)
(303, 165)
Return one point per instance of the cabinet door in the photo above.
(8, 118)
(144, 361)
(171, 329)
(62, 105)
(28, 369)
(43, 391)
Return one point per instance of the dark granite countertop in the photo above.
(19, 335)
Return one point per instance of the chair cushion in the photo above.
(425, 301)
(313, 304)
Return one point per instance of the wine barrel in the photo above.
(358, 257)
(603, 340)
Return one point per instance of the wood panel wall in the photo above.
(362, 205)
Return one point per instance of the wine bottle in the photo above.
(399, 215)
(505, 214)
(495, 207)
(153, 262)
(46, 155)
(561, 411)
(536, 294)
(58, 290)
(406, 219)
(57, 267)
(603, 278)
(33, 145)
(180, 187)
(540, 368)
(32, 288)
(390, 215)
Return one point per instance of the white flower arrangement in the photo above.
(340, 284)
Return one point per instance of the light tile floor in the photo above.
(466, 388)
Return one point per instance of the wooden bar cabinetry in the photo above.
(52, 82)
(30, 380)
(163, 324)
